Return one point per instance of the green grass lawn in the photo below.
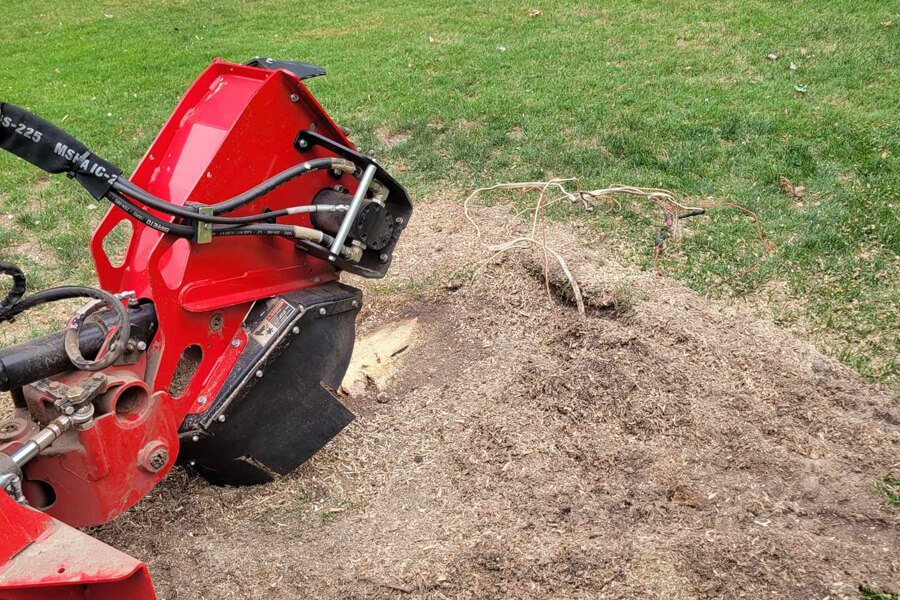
(663, 94)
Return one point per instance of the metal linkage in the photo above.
(42, 440)
(11, 465)
(341, 236)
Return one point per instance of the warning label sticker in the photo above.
(279, 312)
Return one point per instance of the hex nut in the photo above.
(216, 322)
(12, 429)
(154, 456)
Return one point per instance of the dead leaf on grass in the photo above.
(794, 191)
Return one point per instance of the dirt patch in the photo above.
(391, 138)
(663, 446)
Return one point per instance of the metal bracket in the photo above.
(204, 229)
(364, 182)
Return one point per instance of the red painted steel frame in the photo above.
(234, 128)
(44, 559)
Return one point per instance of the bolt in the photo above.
(259, 374)
(383, 258)
(235, 343)
(83, 418)
(295, 330)
(69, 410)
(129, 347)
(355, 303)
(98, 376)
(295, 98)
(399, 220)
(269, 61)
(154, 456)
(317, 279)
(74, 393)
(322, 311)
(54, 385)
(303, 144)
(195, 438)
(221, 418)
(201, 400)
(141, 346)
(215, 323)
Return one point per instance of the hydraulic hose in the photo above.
(147, 219)
(318, 164)
(291, 231)
(50, 148)
(16, 291)
(179, 211)
(116, 345)
(129, 188)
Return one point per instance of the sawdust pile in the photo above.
(662, 447)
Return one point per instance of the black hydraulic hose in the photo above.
(271, 229)
(16, 291)
(127, 187)
(46, 356)
(147, 219)
(317, 164)
(179, 211)
(238, 228)
(116, 347)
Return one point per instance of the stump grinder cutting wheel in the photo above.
(216, 343)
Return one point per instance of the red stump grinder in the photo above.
(219, 340)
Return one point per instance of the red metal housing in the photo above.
(234, 128)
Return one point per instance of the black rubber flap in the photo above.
(272, 424)
(47, 146)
